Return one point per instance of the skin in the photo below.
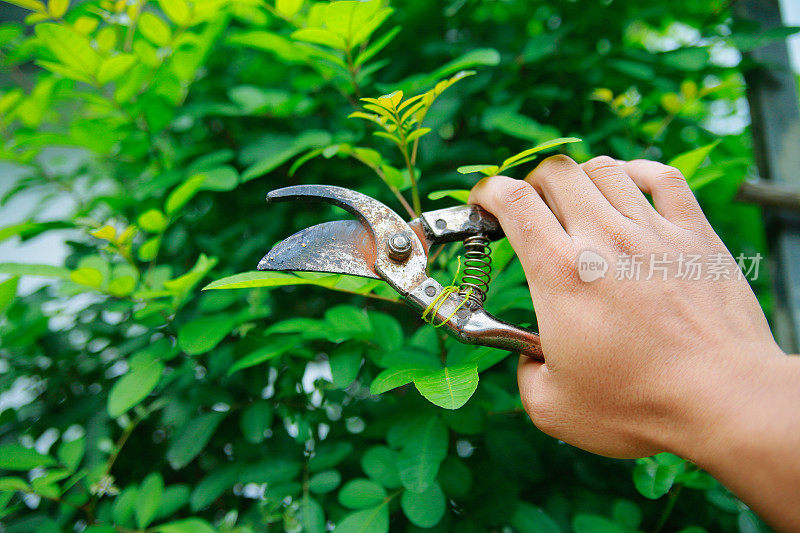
(637, 367)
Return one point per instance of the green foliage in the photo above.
(132, 400)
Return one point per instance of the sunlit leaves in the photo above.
(72, 49)
(688, 163)
(338, 282)
(462, 195)
(178, 11)
(153, 221)
(518, 159)
(154, 29)
(8, 290)
(401, 120)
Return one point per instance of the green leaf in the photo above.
(424, 509)
(204, 333)
(255, 421)
(8, 290)
(312, 517)
(653, 480)
(517, 159)
(361, 493)
(588, 523)
(33, 5)
(214, 485)
(13, 484)
(26, 269)
(288, 8)
(689, 162)
(394, 377)
(115, 66)
(17, 457)
(248, 280)
(375, 520)
(462, 195)
(133, 387)
(176, 10)
(324, 482)
(57, 8)
(277, 153)
(183, 193)
(627, 513)
(154, 29)
(71, 48)
(91, 277)
(530, 519)
(192, 438)
(320, 36)
(187, 525)
(484, 169)
(148, 499)
(416, 134)
(222, 178)
(265, 353)
(380, 464)
(449, 387)
(153, 221)
(329, 455)
(345, 364)
(425, 449)
(70, 453)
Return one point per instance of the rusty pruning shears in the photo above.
(381, 245)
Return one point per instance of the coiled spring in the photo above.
(477, 268)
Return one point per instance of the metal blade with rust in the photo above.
(339, 247)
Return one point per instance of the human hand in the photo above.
(632, 367)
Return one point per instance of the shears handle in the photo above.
(471, 324)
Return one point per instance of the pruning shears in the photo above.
(381, 245)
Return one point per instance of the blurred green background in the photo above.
(138, 142)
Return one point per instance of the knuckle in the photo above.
(670, 175)
(553, 166)
(515, 194)
(601, 166)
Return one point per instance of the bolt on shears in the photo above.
(381, 245)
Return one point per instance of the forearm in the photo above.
(748, 437)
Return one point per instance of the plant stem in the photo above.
(673, 497)
(414, 188)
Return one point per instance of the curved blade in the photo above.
(382, 222)
(340, 247)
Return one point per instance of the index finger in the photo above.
(531, 227)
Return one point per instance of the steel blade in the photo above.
(339, 247)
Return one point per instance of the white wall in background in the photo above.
(791, 17)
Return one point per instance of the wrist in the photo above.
(726, 404)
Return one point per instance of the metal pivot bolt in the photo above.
(399, 247)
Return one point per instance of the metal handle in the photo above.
(471, 324)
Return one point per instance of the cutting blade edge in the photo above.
(338, 247)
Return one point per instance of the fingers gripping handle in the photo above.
(472, 324)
